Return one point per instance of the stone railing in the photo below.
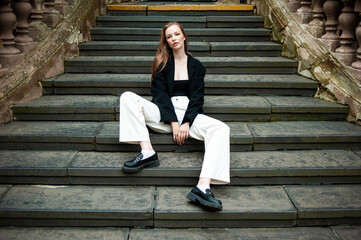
(23, 23)
(337, 24)
(36, 36)
(325, 37)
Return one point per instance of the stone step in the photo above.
(320, 233)
(214, 65)
(87, 136)
(174, 9)
(148, 206)
(198, 49)
(194, 34)
(115, 84)
(225, 108)
(187, 22)
(179, 169)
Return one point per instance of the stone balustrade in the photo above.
(22, 24)
(337, 23)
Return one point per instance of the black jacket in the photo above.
(162, 89)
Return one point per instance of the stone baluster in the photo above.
(317, 26)
(36, 11)
(37, 29)
(62, 6)
(332, 10)
(22, 10)
(304, 13)
(357, 64)
(347, 24)
(9, 54)
(294, 5)
(51, 15)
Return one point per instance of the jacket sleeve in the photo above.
(196, 98)
(162, 99)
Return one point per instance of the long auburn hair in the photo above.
(164, 51)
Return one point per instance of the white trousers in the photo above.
(136, 113)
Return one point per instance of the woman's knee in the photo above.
(224, 127)
(126, 96)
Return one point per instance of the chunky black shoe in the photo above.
(206, 200)
(138, 164)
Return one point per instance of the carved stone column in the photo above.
(62, 6)
(294, 5)
(51, 15)
(317, 26)
(357, 64)
(36, 11)
(9, 55)
(332, 10)
(37, 29)
(304, 13)
(22, 10)
(347, 24)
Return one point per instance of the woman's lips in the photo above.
(175, 44)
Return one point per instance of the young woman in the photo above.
(177, 87)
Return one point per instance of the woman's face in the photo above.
(175, 37)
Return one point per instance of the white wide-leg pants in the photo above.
(136, 113)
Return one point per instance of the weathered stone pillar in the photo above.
(332, 10)
(62, 6)
(304, 13)
(36, 11)
(317, 26)
(37, 29)
(294, 5)
(9, 55)
(22, 10)
(51, 15)
(357, 64)
(347, 24)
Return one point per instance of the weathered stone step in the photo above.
(115, 84)
(247, 168)
(77, 206)
(244, 136)
(194, 34)
(174, 9)
(320, 233)
(214, 65)
(187, 22)
(198, 49)
(225, 108)
(268, 206)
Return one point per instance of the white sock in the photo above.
(203, 188)
(147, 153)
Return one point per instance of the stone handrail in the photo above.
(46, 33)
(325, 37)
(30, 22)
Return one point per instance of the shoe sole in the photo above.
(154, 163)
(194, 198)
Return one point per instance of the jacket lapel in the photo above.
(191, 67)
(170, 75)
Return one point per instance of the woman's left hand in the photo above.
(183, 133)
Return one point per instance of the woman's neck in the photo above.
(179, 54)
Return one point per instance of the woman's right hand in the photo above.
(175, 128)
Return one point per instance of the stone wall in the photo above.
(336, 82)
(46, 59)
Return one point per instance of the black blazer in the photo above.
(162, 90)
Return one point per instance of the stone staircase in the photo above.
(295, 161)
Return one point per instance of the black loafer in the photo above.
(138, 164)
(206, 200)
